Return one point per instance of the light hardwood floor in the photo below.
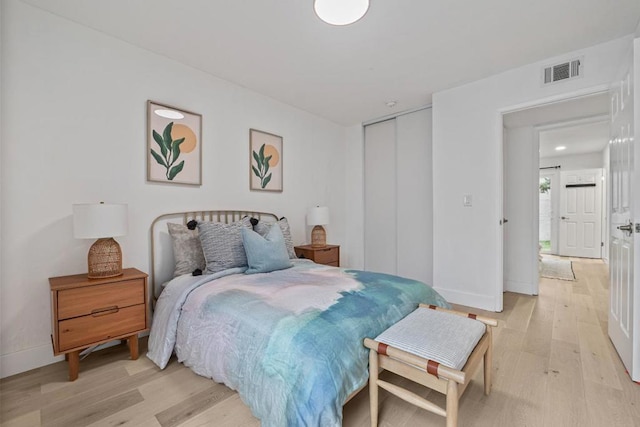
(553, 366)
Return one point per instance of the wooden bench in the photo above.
(423, 347)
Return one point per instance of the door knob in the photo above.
(564, 217)
(628, 228)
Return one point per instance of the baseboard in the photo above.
(484, 302)
(37, 357)
(518, 287)
(25, 360)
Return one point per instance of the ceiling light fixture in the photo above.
(340, 12)
(560, 148)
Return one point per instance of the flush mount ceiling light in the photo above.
(340, 12)
(169, 114)
(560, 148)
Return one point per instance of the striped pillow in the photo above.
(263, 227)
(222, 244)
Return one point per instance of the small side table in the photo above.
(328, 255)
(88, 312)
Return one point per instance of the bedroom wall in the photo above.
(354, 186)
(74, 129)
(467, 157)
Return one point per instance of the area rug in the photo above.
(556, 269)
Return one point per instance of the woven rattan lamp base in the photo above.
(104, 259)
(318, 237)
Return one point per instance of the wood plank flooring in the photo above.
(553, 366)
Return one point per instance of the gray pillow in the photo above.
(222, 244)
(187, 250)
(263, 227)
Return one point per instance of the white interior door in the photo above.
(621, 258)
(580, 213)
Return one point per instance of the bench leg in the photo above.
(373, 387)
(488, 363)
(452, 404)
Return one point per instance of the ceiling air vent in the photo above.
(564, 71)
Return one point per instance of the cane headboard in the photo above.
(162, 262)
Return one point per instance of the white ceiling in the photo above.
(580, 139)
(580, 124)
(402, 50)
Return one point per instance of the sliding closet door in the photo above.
(414, 196)
(399, 196)
(380, 197)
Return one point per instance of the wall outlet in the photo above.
(467, 200)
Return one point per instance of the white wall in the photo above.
(467, 156)
(74, 129)
(520, 208)
(354, 189)
(574, 162)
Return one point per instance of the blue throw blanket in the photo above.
(289, 341)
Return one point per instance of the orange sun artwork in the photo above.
(190, 139)
(270, 150)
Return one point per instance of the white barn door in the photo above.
(624, 191)
(580, 229)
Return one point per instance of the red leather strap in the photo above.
(432, 307)
(432, 367)
(471, 316)
(382, 349)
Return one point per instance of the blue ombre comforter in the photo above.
(289, 341)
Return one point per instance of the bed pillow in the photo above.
(263, 227)
(265, 254)
(222, 245)
(187, 250)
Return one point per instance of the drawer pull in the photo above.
(104, 311)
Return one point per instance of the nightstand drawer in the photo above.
(82, 331)
(326, 256)
(84, 301)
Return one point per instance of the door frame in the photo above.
(567, 96)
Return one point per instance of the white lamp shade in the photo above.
(99, 220)
(340, 12)
(318, 216)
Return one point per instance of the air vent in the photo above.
(564, 71)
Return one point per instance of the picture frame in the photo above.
(174, 145)
(265, 161)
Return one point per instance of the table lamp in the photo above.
(318, 217)
(101, 221)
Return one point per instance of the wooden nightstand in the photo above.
(329, 255)
(87, 312)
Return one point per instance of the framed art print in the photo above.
(174, 145)
(265, 161)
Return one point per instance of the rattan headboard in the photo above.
(162, 263)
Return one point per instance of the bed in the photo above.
(290, 340)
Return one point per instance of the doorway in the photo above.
(530, 153)
(548, 201)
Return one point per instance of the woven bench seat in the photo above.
(438, 348)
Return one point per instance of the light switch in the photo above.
(467, 200)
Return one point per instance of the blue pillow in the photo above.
(265, 254)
